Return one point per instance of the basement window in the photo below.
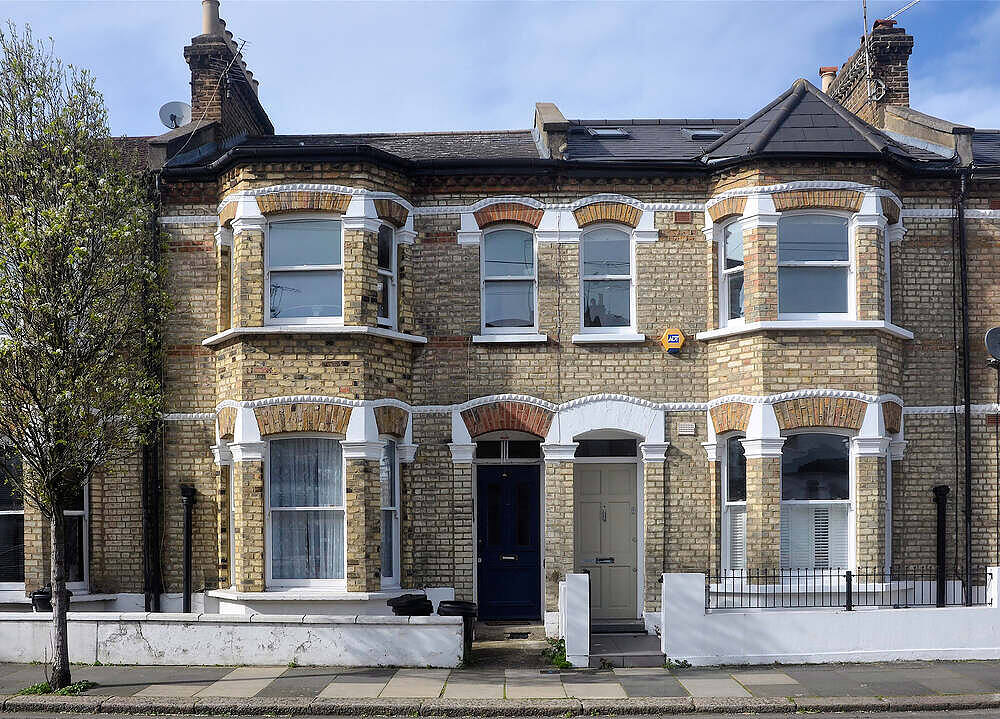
(608, 131)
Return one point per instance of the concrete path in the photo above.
(817, 683)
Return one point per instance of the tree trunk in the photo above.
(60, 602)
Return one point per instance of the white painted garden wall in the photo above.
(259, 639)
(731, 636)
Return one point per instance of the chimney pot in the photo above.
(884, 23)
(827, 75)
(210, 22)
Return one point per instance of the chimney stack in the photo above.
(210, 22)
(889, 49)
(827, 75)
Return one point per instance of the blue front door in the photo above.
(509, 516)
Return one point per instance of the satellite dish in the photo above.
(175, 114)
(993, 342)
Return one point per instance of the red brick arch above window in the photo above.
(892, 416)
(303, 417)
(391, 420)
(730, 417)
(820, 412)
(849, 200)
(507, 415)
(617, 212)
(727, 208)
(508, 212)
(391, 211)
(280, 202)
(227, 422)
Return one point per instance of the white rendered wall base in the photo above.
(731, 636)
(258, 640)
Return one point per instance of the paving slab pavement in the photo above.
(709, 686)
(243, 682)
(532, 684)
(475, 684)
(417, 683)
(357, 684)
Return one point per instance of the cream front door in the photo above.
(605, 541)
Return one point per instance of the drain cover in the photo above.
(517, 635)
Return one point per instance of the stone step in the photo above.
(622, 661)
(617, 628)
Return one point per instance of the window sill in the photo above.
(306, 595)
(877, 325)
(313, 329)
(510, 338)
(606, 337)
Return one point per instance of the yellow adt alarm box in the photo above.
(672, 341)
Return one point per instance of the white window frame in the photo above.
(393, 582)
(629, 329)
(232, 285)
(13, 586)
(725, 274)
(727, 506)
(293, 217)
(483, 279)
(392, 275)
(851, 489)
(850, 263)
(279, 584)
(85, 514)
(232, 530)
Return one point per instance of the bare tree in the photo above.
(80, 293)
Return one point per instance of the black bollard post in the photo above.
(187, 497)
(941, 500)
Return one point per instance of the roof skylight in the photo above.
(608, 131)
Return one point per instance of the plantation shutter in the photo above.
(813, 537)
(737, 537)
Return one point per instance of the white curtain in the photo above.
(306, 543)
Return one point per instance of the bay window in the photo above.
(11, 527)
(734, 493)
(389, 485)
(306, 513)
(815, 501)
(731, 298)
(305, 271)
(814, 262)
(387, 277)
(606, 282)
(508, 284)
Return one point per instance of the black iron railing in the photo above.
(849, 589)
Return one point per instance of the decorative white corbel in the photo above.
(468, 231)
(763, 436)
(654, 452)
(559, 452)
(361, 215)
(760, 212)
(558, 226)
(462, 453)
(224, 237)
(646, 230)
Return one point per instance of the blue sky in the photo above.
(391, 66)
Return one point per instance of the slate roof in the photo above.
(482, 145)
(646, 140)
(804, 120)
(986, 148)
(801, 122)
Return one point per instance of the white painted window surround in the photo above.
(390, 491)
(508, 269)
(607, 285)
(734, 500)
(816, 265)
(304, 270)
(817, 501)
(387, 276)
(11, 533)
(731, 279)
(306, 527)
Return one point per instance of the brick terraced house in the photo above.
(434, 360)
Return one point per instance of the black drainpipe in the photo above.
(963, 250)
(152, 575)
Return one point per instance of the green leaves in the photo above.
(81, 277)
